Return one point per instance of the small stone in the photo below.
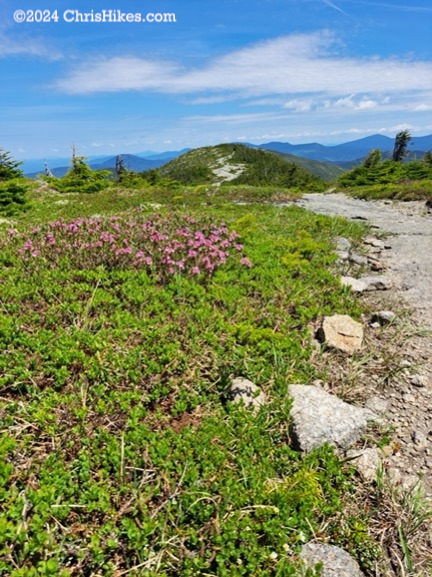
(342, 255)
(377, 266)
(419, 439)
(366, 462)
(376, 243)
(341, 332)
(376, 283)
(418, 381)
(245, 392)
(408, 482)
(343, 244)
(383, 317)
(335, 561)
(358, 259)
(377, 405)
(375, 250)
(375, 325)
(394, 475)
(355, 284)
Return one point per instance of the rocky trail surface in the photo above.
(408, 263)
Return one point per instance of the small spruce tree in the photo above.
(427, 158)
(402, 139)
(8, 167)
(80, 177)
(120, 167)
(373, 159)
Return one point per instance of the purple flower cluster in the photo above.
(164, 245)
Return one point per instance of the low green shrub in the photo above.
(13, 196)
(119, 449)
(81, 178)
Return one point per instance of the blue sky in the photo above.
(297, 71)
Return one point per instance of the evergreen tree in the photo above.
(120, 167)
(8, 167)
(80, 177)
(427, 158)
(372, 159)
(401, 144)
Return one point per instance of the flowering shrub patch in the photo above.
(163, 245)
(120, 453)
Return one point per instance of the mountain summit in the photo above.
(238, 164)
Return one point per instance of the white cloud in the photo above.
(210, 100)
(299, 105)
(119, 74)
(422, 107)
(399, 127)
(351, 103)
(366, 104)
(289, 65)
(26, 46)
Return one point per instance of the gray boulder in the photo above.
(319, 417)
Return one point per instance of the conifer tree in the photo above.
(8, 167)
(401, 144)
(120, 167)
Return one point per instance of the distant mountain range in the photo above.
(348, 151)
(134, 162)
(344, 155)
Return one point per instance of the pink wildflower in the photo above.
(246, 262)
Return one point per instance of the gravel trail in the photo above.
(409, 262)
(410, 258)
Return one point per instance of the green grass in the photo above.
(120, 452)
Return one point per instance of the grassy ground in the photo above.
(120, 451)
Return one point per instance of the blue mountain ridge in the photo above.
(346, 152)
